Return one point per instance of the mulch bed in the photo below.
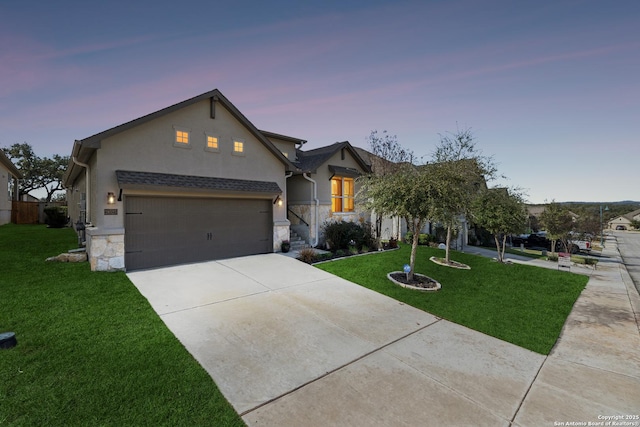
(419, 281)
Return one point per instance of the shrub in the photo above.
(390, 244)
(56, 216)
(423, 239)
(342, 234)
(307, 255)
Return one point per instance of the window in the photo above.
(342, 193)
(182, 137)
(212, 143)
(238, 147)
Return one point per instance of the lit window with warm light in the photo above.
(342, 194)
(238, 147)
(182, 137)
(212, 143)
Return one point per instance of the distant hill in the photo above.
(623, 202)
(590, 211)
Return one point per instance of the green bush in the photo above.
(423, 239)
(56, 216)
(343, 234)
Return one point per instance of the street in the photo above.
(629, 247)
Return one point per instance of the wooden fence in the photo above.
(30, 212)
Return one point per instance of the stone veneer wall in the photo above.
(280, 233)
(105, 249)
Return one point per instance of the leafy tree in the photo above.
(37, 172)
(635, 224)
(588, 223)
(558, 222)
(388, 156)
(461, 172)
(501, 212)
(407, 192)
(533, 224)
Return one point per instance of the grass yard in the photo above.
(91, 351)
(521, 304)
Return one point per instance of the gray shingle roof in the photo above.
(311, 160)
(128, 179)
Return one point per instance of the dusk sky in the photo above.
(550, 89)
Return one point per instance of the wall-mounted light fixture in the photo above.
(278, 200)
(111, 198)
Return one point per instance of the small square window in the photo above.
(238, 147)
(182, 137)
(212, 143)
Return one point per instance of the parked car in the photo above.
(620, 227)
(540, 241)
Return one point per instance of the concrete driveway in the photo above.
(291, 345)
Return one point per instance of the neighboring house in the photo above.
(9, 176)
(625, 220)
(192, 182)
(324, 189)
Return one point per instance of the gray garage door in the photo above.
(161, 231)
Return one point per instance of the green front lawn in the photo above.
(91, 351)
(521, 304)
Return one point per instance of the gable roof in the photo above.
(283, 137)
(9, 165)
(632, 214)
(310, 161)
(84, 149)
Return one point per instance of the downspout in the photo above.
(315, 198)
(286, 198)
(88, 190)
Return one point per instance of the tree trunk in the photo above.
(416, 225)
(504, 246)
(446, 253)
(497, 239)
(378, 231)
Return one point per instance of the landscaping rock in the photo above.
(69, 257)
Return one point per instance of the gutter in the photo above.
(315, 198)
(87, 175)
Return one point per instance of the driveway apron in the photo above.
(289, 345)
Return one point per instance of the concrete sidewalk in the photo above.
(291, 345)
(594, 369)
